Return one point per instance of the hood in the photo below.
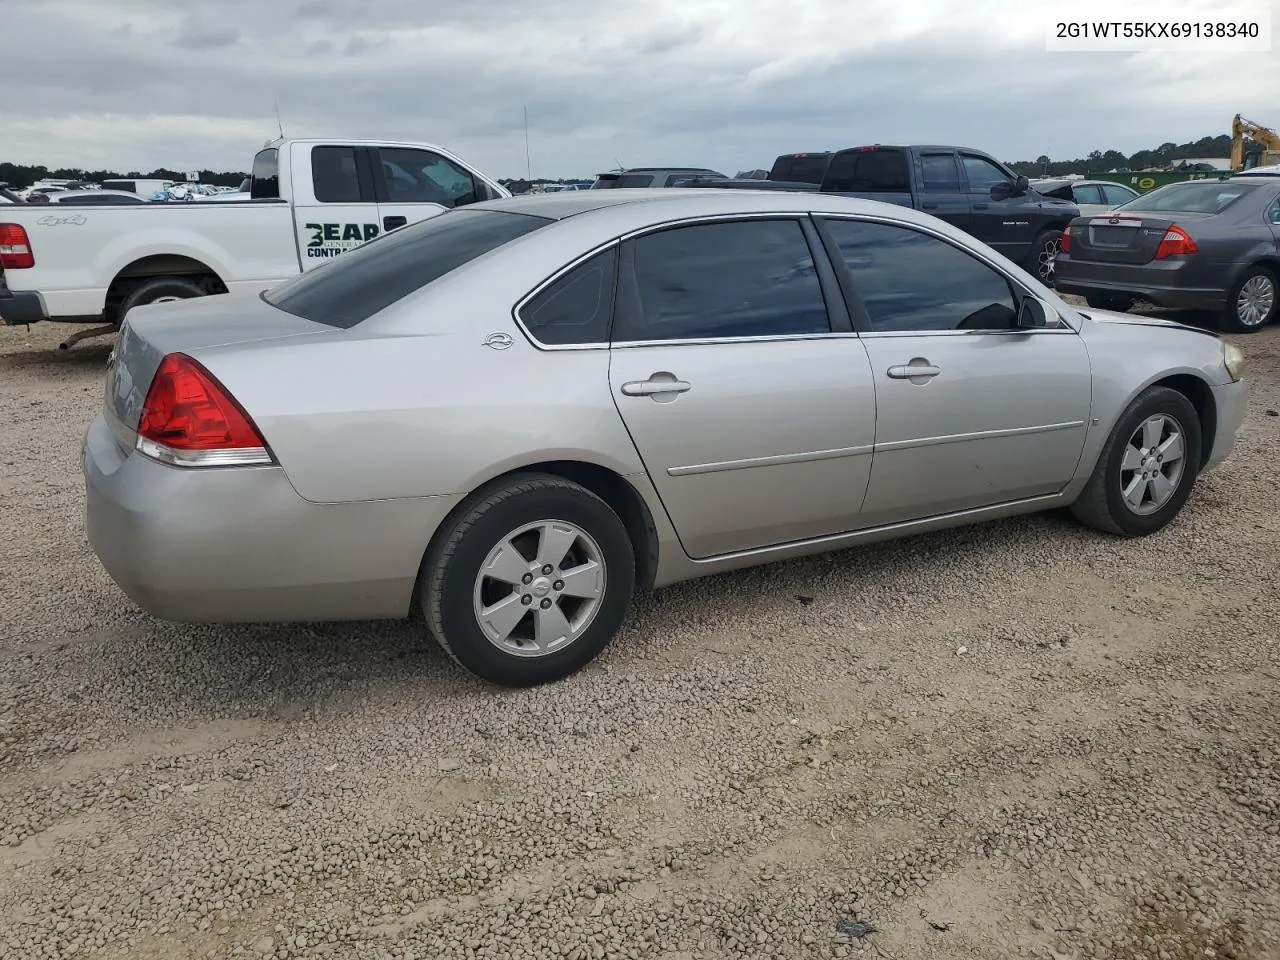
(1138, 320)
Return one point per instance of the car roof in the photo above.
(647, 205)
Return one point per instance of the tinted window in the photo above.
(800, 169)
(981, 173)
(578, 307)
(265, 176)
(107, 200)
(1203, 196)
(420, 176)
(873, 171)
(1273, 212)
(912, 281)
(634, 180)
(1089, 193)
(356, 285)
(1117, 194)
(938, 172)
(742, 279)
(334, 175)
(126, 185)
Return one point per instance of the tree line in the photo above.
(19, 175)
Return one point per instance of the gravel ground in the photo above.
(1017, 740)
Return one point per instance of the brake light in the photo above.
(1176, 243)
(15, 248)
(1065, 246)
(870, 149)
(190, 420)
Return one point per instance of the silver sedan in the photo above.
(511, 417)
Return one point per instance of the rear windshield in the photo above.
(352, 288)
(809, 169)
(1204, 196)
(867, 171)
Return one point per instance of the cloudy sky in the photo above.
(721, 83)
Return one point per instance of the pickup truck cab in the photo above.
(309, 201)
(966, 188)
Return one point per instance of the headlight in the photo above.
(1233, 357)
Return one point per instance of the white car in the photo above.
(309, 201)
(1091, 196)
(94, 197)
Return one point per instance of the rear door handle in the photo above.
(390, 223)
(910, 371)
(981, 206)
(647, 388)
(928, 206)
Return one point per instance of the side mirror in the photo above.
(1036, 314)
(1021, 186)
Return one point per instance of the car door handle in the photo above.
(928, 206)
(647, 388)
(982, 206)
(390, 223)
(909, 371)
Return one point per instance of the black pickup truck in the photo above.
(965, 187)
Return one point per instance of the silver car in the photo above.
(513, 416)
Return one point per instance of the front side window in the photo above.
(981, 173)
(420, 176)
(334, 175)
(910, 281)
(578, 307)
(1273, 212)
(348, 290)
(752, 278)
(264, 179)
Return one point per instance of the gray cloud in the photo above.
(721, 84)
(195, 34)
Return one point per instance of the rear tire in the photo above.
(1124, 496)
(159, 290)
(1114, 304)
(530, 582)
(1252, 302)
(1040, 262)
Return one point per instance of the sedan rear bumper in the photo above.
(1163, 283)
(237, 544)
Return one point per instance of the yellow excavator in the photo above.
(1267, 138)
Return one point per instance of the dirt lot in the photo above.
(1018, 740)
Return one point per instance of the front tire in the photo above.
(1146, 469)
(1252, 302)
(1040, 262)
(530, 582)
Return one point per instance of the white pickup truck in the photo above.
(309, 200)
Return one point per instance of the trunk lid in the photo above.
(1120, 237)
(151, 332)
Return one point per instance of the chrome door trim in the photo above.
(781, 458)
(979, 435)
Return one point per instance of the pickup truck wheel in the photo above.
(1146, 469)
(159, 290)
(1252, 302)
(1043, 252)
(1114, 304)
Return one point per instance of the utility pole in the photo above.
(528, 163)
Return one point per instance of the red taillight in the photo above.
(869, 149)
(1176, 243)
(15, 248)
(189, 419)
(1065, 246)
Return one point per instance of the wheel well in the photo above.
(1271, 263)
(160, 265)
(1201, 397)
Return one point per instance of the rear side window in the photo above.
(1089, 193)
(265, 177)
(1117, 194)
(351, 288)
(753, 278)
(875, 171)
(938, 172)
(334, 175)
(578, 307)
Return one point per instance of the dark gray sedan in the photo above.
(1204, 245)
